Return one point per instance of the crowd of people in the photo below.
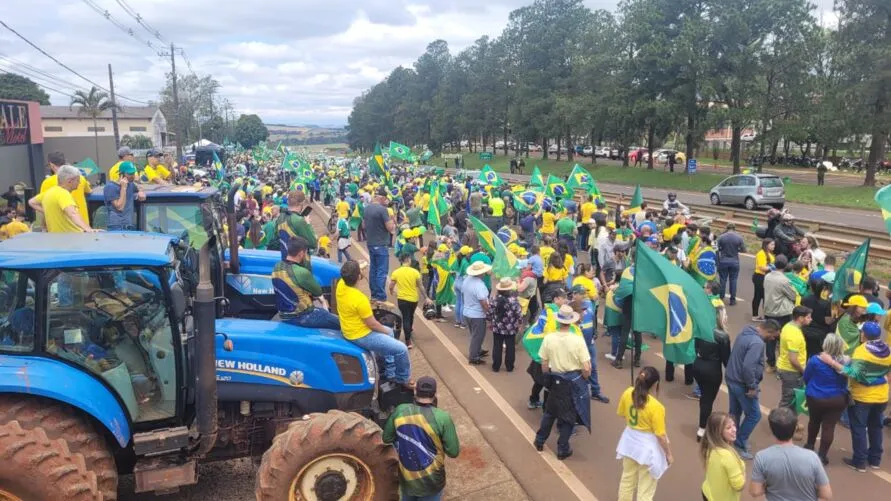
(573, 255)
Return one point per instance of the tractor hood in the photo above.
(261, 262)
(280, 354)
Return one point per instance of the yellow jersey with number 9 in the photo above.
(649, 419)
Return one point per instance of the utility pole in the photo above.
(180, 136)
(114, 111)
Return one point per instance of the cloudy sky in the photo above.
(290, 61)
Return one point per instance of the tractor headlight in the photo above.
(370, 367)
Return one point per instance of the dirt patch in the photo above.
(473, 456)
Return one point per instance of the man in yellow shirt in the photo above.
(14, 227)
(343, 209)
(793, 355)
(79, 194)
(496, 205)
(155, 172)
(586, 212)
(58, 206)
(409, 292)
(124, 155)
(548, 223)
(359, 326)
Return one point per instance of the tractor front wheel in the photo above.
(35, 467)
(60, 421)
(329, 457)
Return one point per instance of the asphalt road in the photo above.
(865, 219)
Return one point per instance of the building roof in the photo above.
(74, 250)
(125, 112)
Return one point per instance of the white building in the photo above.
(62, 121)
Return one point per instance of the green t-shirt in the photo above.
(423, 436)
(565, 226)
(415, 218)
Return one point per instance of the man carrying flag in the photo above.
(489, 177)
(636, 202)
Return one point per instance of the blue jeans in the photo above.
(377, 277)
(615, 335)
(343, 254)
(316, 318)
(593, 381)
(741, 404)
(397, 365)
(728, 269)
(432, 497)
(564, 428)
(459, 304)
(866, 432)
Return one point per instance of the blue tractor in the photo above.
(113, 361)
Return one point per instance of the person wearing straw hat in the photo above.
(506, 317)
(566, 361)
(476, 306)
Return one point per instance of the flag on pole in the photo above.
(489, 176)
(504, 263)
(438, 207)
(400, 151)
(376, 165)
(851, 272)
(87, 167)
(556, 189)
(636, 202)
(670, 304)
(218, 165)
(579, 177)
(528, 201)
(537, 180)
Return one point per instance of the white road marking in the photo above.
(566, 475)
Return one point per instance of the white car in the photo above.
(465, 143)
(499, 144)
(534, 147)
(588, 151)
(552, 148)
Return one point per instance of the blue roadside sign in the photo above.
(691, 166)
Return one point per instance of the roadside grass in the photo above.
(859, 197)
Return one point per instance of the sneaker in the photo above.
(699, 434)
(692, 396)
(617, 364)
(875, 466)
(484, 353)
(539, 447)
(409, 345)
(447, 309)
(609, 356)
(744, 453)
(850, 463)
(458, 326)
(637, 363)
(563, 456)
(825, 460)
(799, 433)
(600, 398)
(732, 302)
(532, 405)
(757, 319)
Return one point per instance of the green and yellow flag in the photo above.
(87, 167)
(489, 176)
(849, 275)
(537, 181)
(544, 325)
(400, 151)
(883, 198)
(636, 202)
(579, 177)
(670, 304)
(439, 206)
(376, 166)
(556, 189)
(504, 263)
(445, 279)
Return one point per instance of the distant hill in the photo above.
(306, 134)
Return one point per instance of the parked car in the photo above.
(601, 151)
(750, 190)
(615, 153)
(588, 151)
(499, 144)
(534, 147)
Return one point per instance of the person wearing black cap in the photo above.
(155, 172)
(422, 473)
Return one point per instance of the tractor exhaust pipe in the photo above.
(231, 221)
(205, 356)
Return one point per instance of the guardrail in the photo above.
(832, 237)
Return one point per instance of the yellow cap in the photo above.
(857, 300)
(443, 248)
(611, 225)
(466, 250)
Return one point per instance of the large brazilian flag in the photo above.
(669, 303)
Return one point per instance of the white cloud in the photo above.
(295, 62)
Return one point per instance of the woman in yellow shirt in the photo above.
(644, 446)
(548, 224)
(763, 260)
(725, 472)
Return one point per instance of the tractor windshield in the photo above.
(115, 323)
(180, 220)
(16, 312)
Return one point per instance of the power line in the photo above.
(39, 79)
(60, 63)
(64, 93)
(142, 22)
(121, 26)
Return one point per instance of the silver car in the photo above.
(750, 190)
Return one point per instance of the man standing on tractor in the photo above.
(292, 223)
(296, 288)
(119, 197)
(423, 436)
(359, 326)
(155, 172)
(58, 206)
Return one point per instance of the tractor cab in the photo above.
(116, 335)
(198, 215)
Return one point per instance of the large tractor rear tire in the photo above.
(36, 468)
(59, 421)
(329, 457)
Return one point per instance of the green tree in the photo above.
(92, 104)
(195, 104)
(250, 131)
(21, 88)
(137, 142)
(864, 37)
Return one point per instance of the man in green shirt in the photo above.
(567, 231)
(414, 215)
(292, 224)
(423, 435)
(296, 287)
